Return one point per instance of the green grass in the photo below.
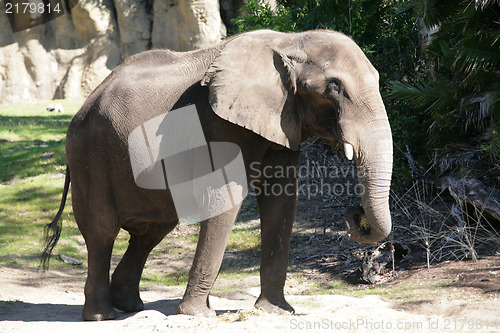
(32, 139)
(173, 279)
(32, 166)
(244, 239)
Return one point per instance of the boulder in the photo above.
(183, 25)
(68, 56)
(135, 21)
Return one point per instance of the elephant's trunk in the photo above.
(372, 222)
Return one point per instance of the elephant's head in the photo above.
(288, 87)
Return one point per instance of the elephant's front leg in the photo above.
(214, 235)
(277, 202)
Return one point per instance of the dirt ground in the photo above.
(52, 302)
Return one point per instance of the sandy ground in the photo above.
(52, 302)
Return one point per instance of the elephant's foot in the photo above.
(126, 301)
(274, 305)
(196, 307)
(93, 311)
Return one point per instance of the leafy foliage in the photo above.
(460, 88)
(260, 15)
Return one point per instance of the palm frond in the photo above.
(442, 48)
(437, 11)
(477, 111)
(496, 35)
(484, 3)
(478, 54)
(481, 80)
(433, 96)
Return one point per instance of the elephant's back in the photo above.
(144, 86)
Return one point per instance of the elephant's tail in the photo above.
(52, 231)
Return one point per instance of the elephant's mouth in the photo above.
(356, 222)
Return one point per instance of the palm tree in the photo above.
(460, 87)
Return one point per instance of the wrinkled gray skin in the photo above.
(266, 92)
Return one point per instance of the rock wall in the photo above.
(70, 55)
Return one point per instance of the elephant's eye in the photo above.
(334, 85)
(336, 88)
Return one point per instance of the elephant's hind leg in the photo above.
(127, 275)
(99, 228)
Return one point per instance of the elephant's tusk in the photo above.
(348, 150)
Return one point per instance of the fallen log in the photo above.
(474, 192)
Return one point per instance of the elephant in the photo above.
(265, 92)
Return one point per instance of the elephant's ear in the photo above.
(252, 85)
